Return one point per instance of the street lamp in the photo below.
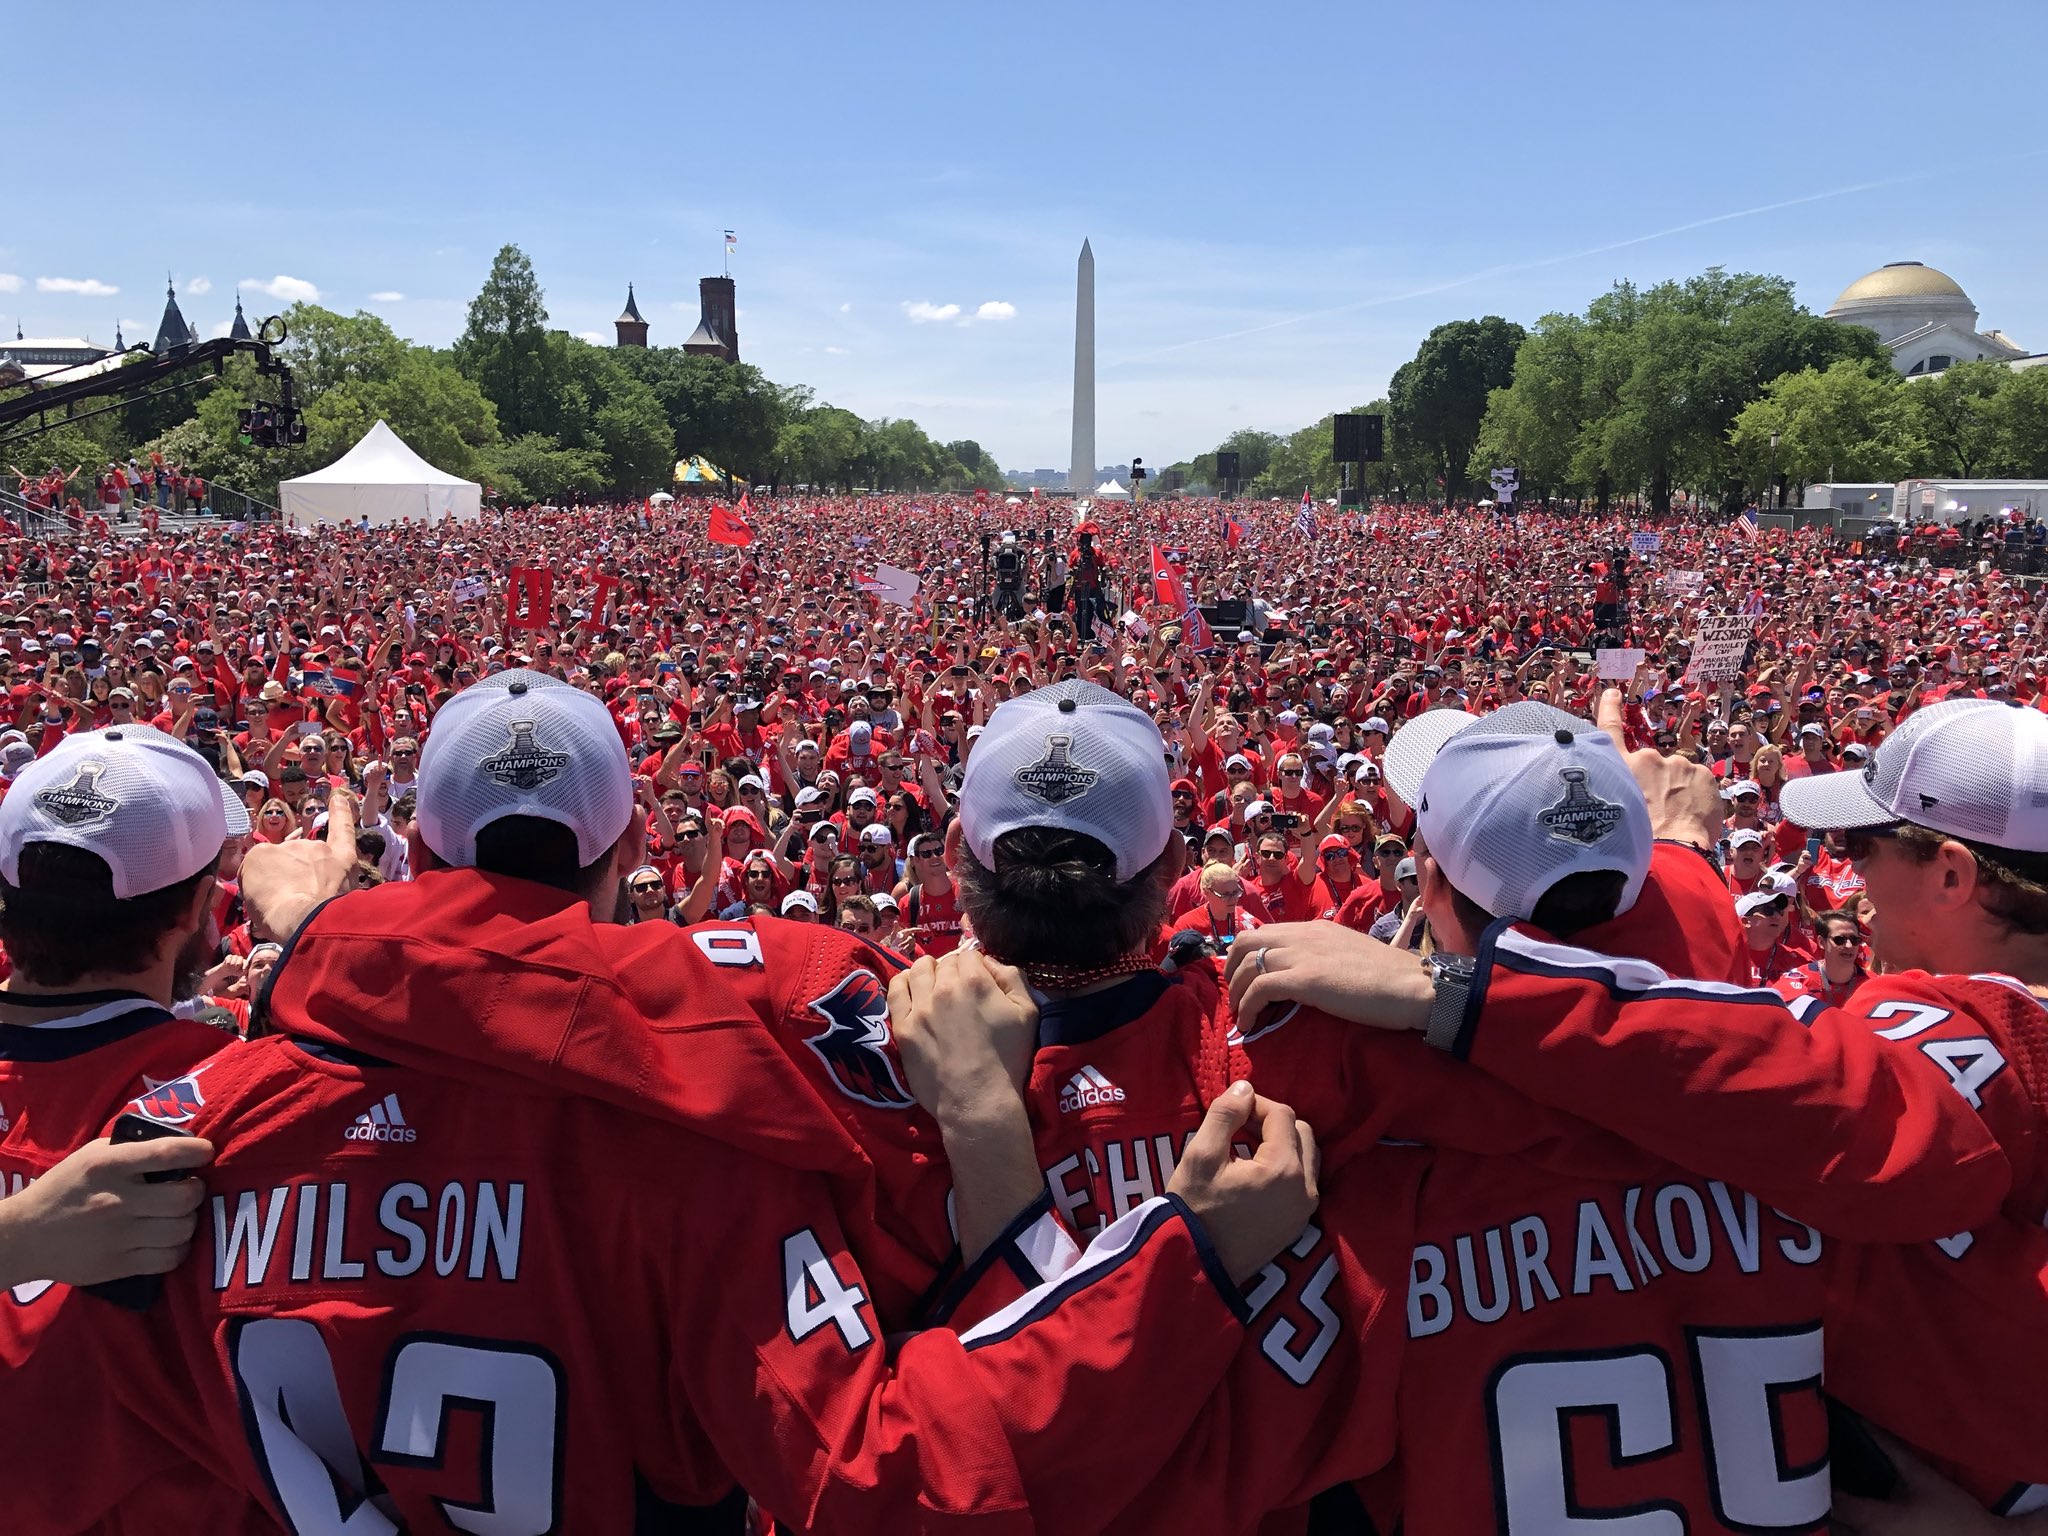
(1774, 469)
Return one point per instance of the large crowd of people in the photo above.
(597, 971)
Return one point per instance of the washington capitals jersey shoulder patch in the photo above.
(855, 1044)
(170, 1103)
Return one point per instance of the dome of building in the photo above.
(1901, 280)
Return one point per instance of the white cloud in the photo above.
(221, 327)
(86, 287)
(996, 309)
(924, 311)
(9, 283)
(844, 309)
(838, 352)
(293, 290)
(199, 285)
(387, 296)
(592, 336)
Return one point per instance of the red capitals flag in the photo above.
(1233, 532)
(1169, 586)
(731, 527)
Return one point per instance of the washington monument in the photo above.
(1081, 478)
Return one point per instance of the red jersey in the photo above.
(935, 918)
(60, 1081)
(362, 1205)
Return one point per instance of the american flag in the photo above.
(1746, 524)
(1305, 519)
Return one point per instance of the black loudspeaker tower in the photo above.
(1226, 467)
(1372, 440)
(1351, 497)
(1359, 440)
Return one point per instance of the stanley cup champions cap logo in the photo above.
(1581, 816)
(524, 764)
(82, 799)
(1056, 778)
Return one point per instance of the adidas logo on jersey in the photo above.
(381, 1122)
(6, 1124)
(1086, 1087)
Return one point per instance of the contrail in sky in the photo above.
(1552, 261)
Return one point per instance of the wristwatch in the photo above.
(1452, 977)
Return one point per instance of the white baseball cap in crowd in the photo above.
(1969, 768)
(1073, 756)
(520, 743)
(1738, 787)
(809, 796)
(1744, 837)
(1376, 723)
(883, 901)
(1415, 746)
(137, 797)
(1757, 900)
(863, 796)
(876, 833)
(1256, 808)
(796, 899)
(1507, 814)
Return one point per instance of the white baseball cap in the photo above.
(863, 796)
(876, 832)
(137, 797)
(1735, 787)
(797, 899)
(1744, 837)
(1758, 899)
(1073, 756)
(1970, 768)
(1507, 814)
(1415, 746)
(520, 743)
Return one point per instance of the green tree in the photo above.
(535, 467)
(1642, 391)
(504, 346)
(2020, 409)
(1956, 413)
(1254, 452)
(729, 412)
(1849, 422)
(1439, 396)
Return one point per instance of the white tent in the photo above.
(380, 479)
(1109, 490)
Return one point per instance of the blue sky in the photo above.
(1282, 200)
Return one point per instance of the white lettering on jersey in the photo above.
(478, 1230)
(1480, 1276)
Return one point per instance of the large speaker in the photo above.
(1359, 440)
(1226, 467)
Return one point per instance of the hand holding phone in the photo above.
(139, 1290)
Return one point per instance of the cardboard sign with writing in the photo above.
(1718, 648)
(1619, 665)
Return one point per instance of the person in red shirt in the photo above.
(1835, 976)
(693, 1365)
(1283, 883)
(1897, 1109)
(1337, 862)
(1766, 915)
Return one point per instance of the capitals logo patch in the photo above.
(81, 800)
(1056, 778)
(1581, 816)
(524, 764)
(170, 1103)
(855, 1044)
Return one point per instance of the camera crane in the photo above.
(270, 426)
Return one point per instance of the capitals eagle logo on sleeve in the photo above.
(855, 1043)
